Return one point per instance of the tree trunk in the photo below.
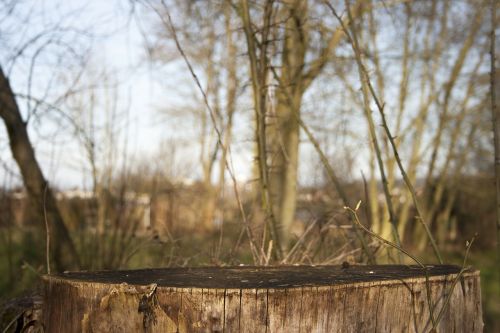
(268, 299)
(285, 139)
(42, 199)
(285, 134)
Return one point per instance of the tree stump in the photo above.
(387, 298)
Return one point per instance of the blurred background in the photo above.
(147, 133)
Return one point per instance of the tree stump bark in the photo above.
(387, 298)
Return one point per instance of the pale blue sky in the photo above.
(117, 45)
(110, 36)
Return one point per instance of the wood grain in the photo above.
(252, 299)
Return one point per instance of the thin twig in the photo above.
(47, 230)
(401, 250)
(169, 24)
(496, 124)
(326, 164)
(458, 277)
(258, 75)
(366, 81)
(354, 213)
(352, 38)
(299, 241)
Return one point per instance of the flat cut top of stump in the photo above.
(246, 277)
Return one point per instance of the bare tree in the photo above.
(285, 36)
(215, 54)
(438, 98)
(38, 189)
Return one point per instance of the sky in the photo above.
(116, 44)
(108, 40)
(113, 34)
